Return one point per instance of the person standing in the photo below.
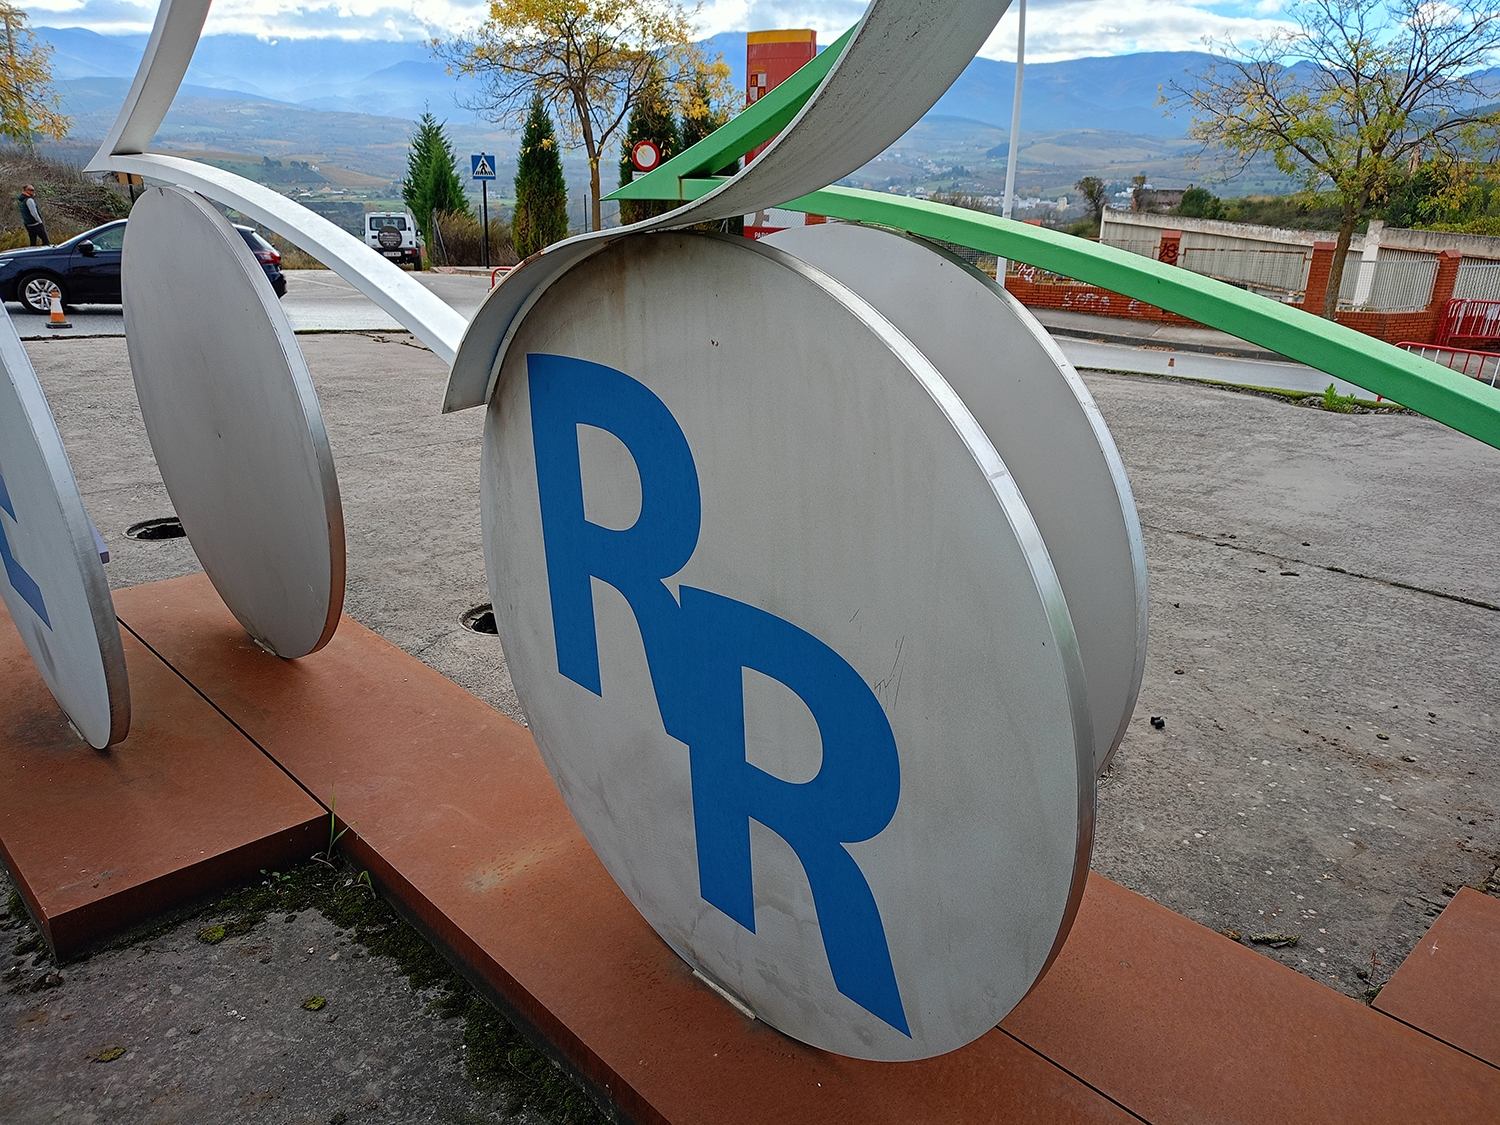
(32, 217)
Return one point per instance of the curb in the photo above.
(1243, 351)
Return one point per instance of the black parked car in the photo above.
(86, 270)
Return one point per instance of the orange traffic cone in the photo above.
(58, 320)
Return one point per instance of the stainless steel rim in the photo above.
(38, 293)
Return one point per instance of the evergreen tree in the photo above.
(541, 216)
(432, 179)
(650, 120)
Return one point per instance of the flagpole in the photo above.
(1015, 116)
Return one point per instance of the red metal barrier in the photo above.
(1468, 318)
(1484, 366)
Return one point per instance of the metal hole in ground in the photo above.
(480, 619)
(167, 527)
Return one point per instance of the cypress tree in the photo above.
(650, 120)
(432, 179)
(541, 216)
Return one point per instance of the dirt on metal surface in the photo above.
(1318, 581)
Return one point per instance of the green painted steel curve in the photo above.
(1455, 400)
(1446, 396)
(726, 144)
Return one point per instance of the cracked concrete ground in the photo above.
(1324, 627)
(176, 1030)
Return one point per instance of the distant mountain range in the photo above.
(395, 79)
(352, 104)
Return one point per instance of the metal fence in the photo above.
(1387, 284)
(1276, 273)
(984, 262)
(1478, 279)
(1145, 247)
(1397, 281)
(1484, 366)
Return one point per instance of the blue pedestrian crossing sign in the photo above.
(482, 166)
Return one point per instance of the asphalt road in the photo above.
(315, 301)
(322, 301)
(1325, 610)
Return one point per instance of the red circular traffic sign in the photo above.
(645, 155)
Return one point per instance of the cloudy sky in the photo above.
(1056, 29)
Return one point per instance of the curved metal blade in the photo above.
(902, 58)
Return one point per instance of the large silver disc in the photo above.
(790, 643)
(51, 578)
(234, 421)
(1043, 422)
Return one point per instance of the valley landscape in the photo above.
(330, 119)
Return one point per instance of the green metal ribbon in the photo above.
(1465, 404)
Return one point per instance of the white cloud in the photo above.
(272, 19)
(1056, 29)
(1070, 29)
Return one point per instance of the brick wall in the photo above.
(1076, 296)
(1044, 291)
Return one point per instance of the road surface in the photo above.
(322, 301)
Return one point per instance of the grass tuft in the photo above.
(497, 1056)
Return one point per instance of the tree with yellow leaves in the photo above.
(1351, 97)
(589, 60)
(28, 107)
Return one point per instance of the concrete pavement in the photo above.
(322, 301)
(1325, 613)
(1160, 359)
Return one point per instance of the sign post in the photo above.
(482, 168)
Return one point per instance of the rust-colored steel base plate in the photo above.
(455, 815)
(452, 810)
(1450, 984)
(99, 840)
(1183, 1026)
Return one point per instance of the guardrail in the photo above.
(1465, 361)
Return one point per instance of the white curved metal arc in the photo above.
(425, 315)
(476, 367)
(902, 59)
(174, 37)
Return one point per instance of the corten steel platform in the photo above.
(99, 840)
(1145, 1015)
(1450, 985)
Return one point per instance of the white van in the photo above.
(394, 234)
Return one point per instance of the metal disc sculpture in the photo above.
(233, 420)
(802, 670)
(814, 564)
(1042, 420)
(52, 578)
